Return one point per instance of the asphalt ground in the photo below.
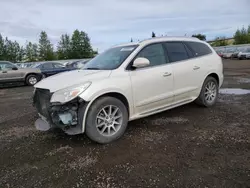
(188, 146)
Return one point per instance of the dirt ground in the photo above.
(188, 146)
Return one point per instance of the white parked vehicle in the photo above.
(244, 54)
(228, 54)
(128, 82)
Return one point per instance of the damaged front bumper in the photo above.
(68, 117)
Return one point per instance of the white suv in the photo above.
(128, 82)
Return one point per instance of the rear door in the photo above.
(202, 60)
(184, 71)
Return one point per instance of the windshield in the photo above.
(110, 59)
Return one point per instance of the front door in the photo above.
(7, 72)
(153, 85)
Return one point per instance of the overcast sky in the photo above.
(110, 22)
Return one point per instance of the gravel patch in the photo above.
(63, 149)
(83, 162)
(16, 133)
(169, 120)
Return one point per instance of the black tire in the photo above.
(201, 100)
(90, 127)
(29, 77)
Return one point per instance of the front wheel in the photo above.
(209, 92)
(107, 120)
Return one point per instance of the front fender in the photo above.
(91, 98)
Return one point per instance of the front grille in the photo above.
(41, 101)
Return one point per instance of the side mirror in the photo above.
(14, 68)
(141, 62)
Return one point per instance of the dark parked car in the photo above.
(77, 64)
(52, 68)
(244, 53)
(235, 54)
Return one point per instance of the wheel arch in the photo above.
(212, 74)
(215, 76)
(32, 73)
(114, 94)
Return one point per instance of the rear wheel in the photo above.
(31, 80)
(209, 92)
(107, 120)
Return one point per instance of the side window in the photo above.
(176, 51)
(6, 66)
(154, 53)
(199, 49)
(58, 65)
(190, 53)
(47, 66)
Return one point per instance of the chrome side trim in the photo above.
(165, 107)
(154, 101)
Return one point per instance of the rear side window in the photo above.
(58, 65)
(190, 53)
(6, 66)
(199, 49)
(47, 66)
(176, 51)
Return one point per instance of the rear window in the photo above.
(199, 49)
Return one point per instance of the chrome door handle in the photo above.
(196, 68)
(167, 74)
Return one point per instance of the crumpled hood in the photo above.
(70, 78)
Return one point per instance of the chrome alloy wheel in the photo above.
(109, 120)
(210, 92)
(32, 80)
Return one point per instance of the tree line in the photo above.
(76, 46)
(241, 36)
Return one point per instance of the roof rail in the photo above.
(169, 37)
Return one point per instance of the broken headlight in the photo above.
(68, 94)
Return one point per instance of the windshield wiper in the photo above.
(92, 68)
